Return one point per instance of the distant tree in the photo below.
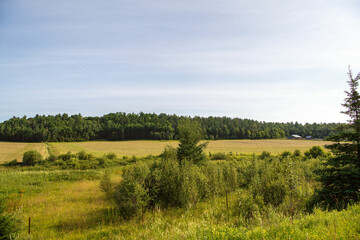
(340, 177)
(31, 157)
(190, 148)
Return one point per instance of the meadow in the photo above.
(69, 203)
(143, 148)
(15, 150)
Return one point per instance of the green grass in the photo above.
(143, 148)
(79, 210)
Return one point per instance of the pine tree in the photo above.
(340, 176)
(190, 148)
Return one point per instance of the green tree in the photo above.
(190, 148)
(340, 176)
(31, 157)
(9, 223)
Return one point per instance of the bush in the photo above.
(130, 195)
(315, 152)
(31, 157)
(264, 155)
(219, 156)
(9, 223)
(106, 185)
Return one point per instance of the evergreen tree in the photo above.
(340, 176)
(190, 148)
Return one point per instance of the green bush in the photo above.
(131, 195)
(219, 156)
(31, 157)
(9, 223)
(315, 152)
(265, 155)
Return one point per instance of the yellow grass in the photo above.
(143, 148)
(10, 150)
(64, 209)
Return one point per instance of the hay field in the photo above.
(13, 150)
(143, 148)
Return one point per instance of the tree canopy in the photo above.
(340, 176)
(150, 126)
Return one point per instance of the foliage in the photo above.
(131, 126)
(106, 185)
(31, 157)
(9, 223)
(340, 177)
(190, 148)
(315, 152)
(130, 195)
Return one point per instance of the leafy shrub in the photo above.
(9, 223)
(249, 209)
(130, 195)
(31, 157)
(12, 163)
(274, 193)
(106, 185)
(297, 153)
(285, 154)
(219, 156)
(315, 152)
(264, 155)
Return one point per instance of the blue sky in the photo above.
(278, 60)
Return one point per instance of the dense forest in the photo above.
(132, 126)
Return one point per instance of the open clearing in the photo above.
(10, 151)
(13, 150)
(143, 148)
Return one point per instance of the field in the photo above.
(69, 204)
(78, 209)
(143, 148)
(10, 150)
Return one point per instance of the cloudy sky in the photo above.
(278, 60)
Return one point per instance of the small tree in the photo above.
(190, 148)
(9, 223)
(31, 157)
(340, 176)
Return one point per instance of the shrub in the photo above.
(31, 157)
(285, 154)
(9, 223)
(249, 209)
(274, 193)
(11, 163)
(315, 152)
(130, 195)
(264, 155)
(297, 153)
(106, 185)
(219, 156)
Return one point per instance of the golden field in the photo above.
(143, 148)
(14, 150)
(10, 150)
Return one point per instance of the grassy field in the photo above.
(79, 210)
(143, 148)
(11, 150)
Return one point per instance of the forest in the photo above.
(148, 126)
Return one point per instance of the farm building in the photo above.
(308, 137)
(295, 136)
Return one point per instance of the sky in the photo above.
(274, 61)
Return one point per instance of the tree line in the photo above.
(149, 126)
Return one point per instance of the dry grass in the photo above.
(65, 209)
(143, 148)
(11, 150)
